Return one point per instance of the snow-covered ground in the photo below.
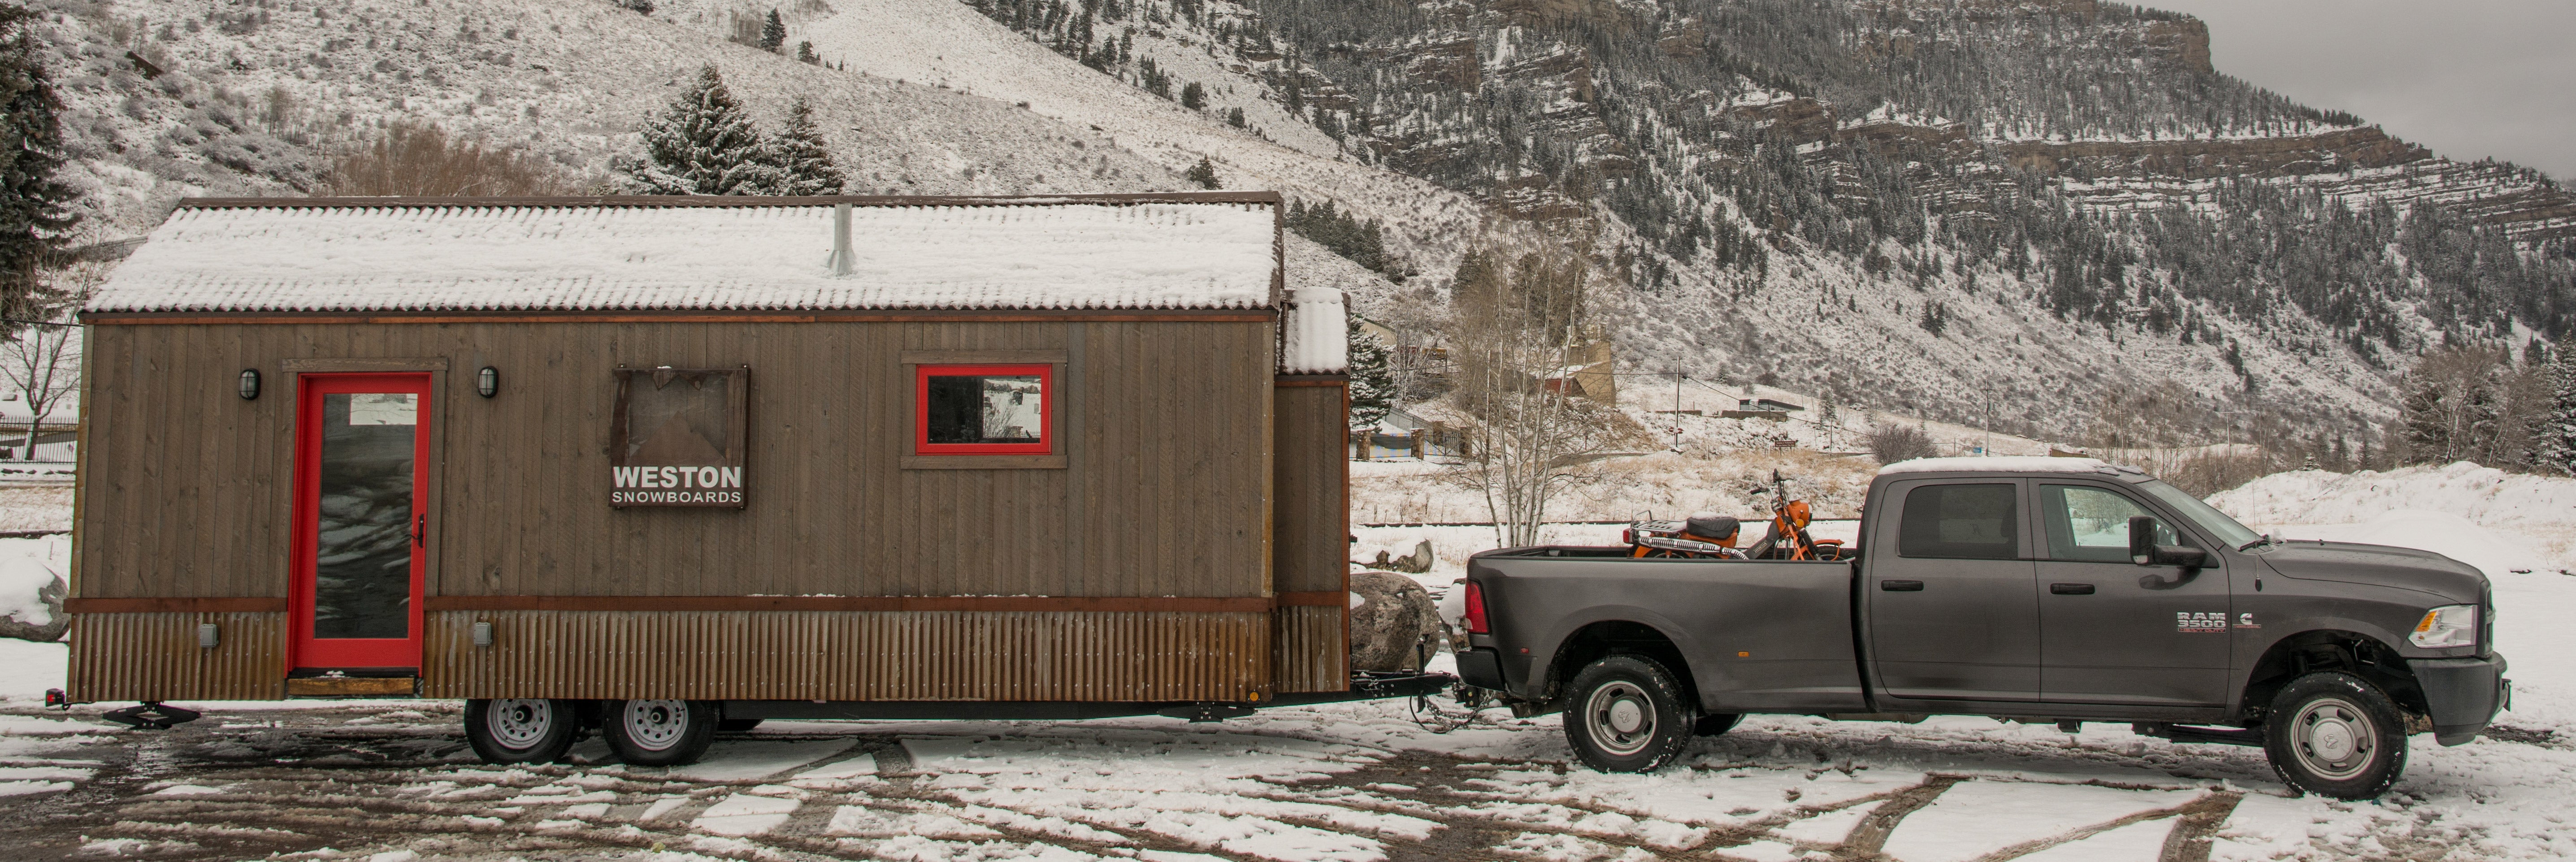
(1357, 782)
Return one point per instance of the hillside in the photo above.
(2010, 207)
(1915, 206)
(253, 96)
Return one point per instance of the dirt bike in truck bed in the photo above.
(2027, 589)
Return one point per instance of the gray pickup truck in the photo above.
(2028, 589)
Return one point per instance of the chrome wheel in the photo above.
(1620, 718)
(656, 725)
(2333, 738)
(519, 724)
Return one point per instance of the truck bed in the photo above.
(1758, 635)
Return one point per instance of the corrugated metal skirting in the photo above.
(1314, 651)
(156, 657)
(744, 655)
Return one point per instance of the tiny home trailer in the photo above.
(653, 463)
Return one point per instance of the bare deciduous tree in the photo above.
(42, 362)
(421, 160)
(1516, 311)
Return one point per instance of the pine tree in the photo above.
(702, 145)
(35, 211)
(1372, 383)
(1193, 96)
(1203, 173)
(773, 33)
(802, 158)
(805, 53)
(2426, 428)
(1234, 117)
(2554, 441)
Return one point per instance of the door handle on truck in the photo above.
(2071, 589)
(1901, 586)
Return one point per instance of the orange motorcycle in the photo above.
(1709, 535)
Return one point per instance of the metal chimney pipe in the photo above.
(841, 254)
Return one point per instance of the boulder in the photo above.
(32, 588)
(1394, 625)
(35, 615)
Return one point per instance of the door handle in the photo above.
(1901, 586)
(2071, 589)
(420, 529)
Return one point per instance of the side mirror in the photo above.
(2144, 551)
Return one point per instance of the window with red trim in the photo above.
(984, 410)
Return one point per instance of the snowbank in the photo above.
(2484, 495)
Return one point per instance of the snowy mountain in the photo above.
(1947, 209)
(1921, 206)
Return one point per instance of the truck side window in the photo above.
(1972, 522)
(2092, 524)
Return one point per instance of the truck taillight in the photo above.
(1476, 624)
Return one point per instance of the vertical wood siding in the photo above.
(154, 656)
(744, 655)
(1312, 552)
(1166, 427)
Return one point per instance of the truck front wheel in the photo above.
(1626, 715)
(2335, 734)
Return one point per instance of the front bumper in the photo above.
(2464, 694)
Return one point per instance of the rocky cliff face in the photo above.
(1763, 165)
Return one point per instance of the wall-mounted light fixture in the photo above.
(249, 383)
(487, 382)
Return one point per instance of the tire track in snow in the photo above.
(1870, 836)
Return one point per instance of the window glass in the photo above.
(2092, 524)
(2219, 525)
(362, 563)
(1975, 522)
(984, 409)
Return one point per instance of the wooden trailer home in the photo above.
(649, 463)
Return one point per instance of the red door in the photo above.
(361, 446)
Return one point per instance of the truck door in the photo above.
(2113, 632)
(1954, 612)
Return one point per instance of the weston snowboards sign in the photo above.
(678, 437)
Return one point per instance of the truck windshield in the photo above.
(2209, 518)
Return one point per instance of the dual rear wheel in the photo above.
(639, 732)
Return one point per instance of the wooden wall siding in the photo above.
(732, 655)
(1313, 483)
(156, 657)
(1167, 426)
(1314, 648)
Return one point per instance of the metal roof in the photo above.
(1160, 251)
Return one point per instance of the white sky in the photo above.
(2469, 78)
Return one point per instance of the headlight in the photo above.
(2452, 626)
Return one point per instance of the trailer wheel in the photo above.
(520, 731)
(658, 732)
(1626, 715)
(2335, 734)
(1717, 724)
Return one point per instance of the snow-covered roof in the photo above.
(1129, 252)
(2009, 464)
(1315, 336)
